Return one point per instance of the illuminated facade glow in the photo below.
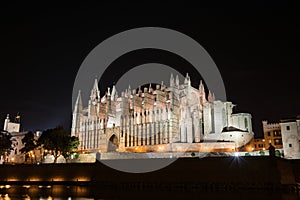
(291, 138)
(152, 119)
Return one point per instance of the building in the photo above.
(15, 155)
(290, 129)
(173, 118)
(272, 134)
(11, 126)
(259, 144)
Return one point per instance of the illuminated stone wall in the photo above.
(272, 134)
(151, 117)
(291, 138)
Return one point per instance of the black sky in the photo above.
(255, 47)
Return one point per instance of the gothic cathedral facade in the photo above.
(154, 117)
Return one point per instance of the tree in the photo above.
(277, 153)
(58, 141)
(30, 144)
(72, 144)
(5, 143)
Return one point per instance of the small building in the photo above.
(290, 129)
(259, 144)
(15, 155)
(272, 134)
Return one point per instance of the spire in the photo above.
(210, 97)
(162, 87)
(78, 104)
(171, 80)
(95, 93)
(187, 79)
(95, 88)
(201, 87)
(113, 93)
(202, 92)
(150, 88)
(96, 84)
(129, 91)
(177, 80)
(108, 91)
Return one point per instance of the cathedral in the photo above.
(172, 118)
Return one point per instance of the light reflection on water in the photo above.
(57, 192)
(27, 197)
(44, 192)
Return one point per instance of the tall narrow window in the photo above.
(224, 118)
(246, 124)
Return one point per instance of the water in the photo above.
(28, 192)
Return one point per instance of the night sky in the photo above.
(255, 47)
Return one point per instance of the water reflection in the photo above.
(47, 192)
(27, 197)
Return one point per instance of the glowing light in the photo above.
(34, 179)
(48, 186)
(26, 186)
(83, 179)
(6, 197)
(236, 154)
(13, 159)
(160, 148)
(57, 179)
(12, 179)
(7, 186)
